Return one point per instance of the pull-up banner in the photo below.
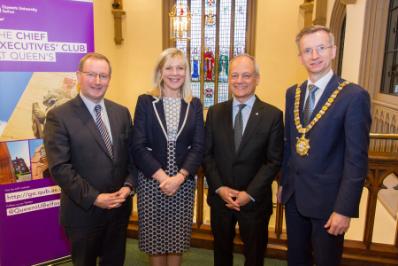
(41, 43)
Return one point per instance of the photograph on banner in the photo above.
(38, 160)
(29, 99)
(15, 162)
(22, 161)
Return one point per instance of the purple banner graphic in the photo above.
(30, 232)
(29, 205)
(41, 43)
(44, 36)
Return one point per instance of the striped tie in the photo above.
(102, 129)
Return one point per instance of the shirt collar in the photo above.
(91, 104)
(322, 82)
(249, 102)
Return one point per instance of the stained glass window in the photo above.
(219, 30)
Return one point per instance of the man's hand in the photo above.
(109, 200)
(124, 192)
(170, 185)
(241, 200)
(337, 224)
(279, 194)
(228, 195)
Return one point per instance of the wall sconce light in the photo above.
(118, 13)
(180, 23)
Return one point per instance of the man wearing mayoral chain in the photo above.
(326, 154)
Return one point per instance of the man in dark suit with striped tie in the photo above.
(327, 123)
(86, 141)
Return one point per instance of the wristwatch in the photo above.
(184, 174)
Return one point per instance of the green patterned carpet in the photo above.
(194, 257)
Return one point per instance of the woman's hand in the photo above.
(160, 175)
(171, 185)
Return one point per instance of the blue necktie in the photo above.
(102, 129)
(309, 103)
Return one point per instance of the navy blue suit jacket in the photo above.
(149, 145)
(331, 177)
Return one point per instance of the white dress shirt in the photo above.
(321, 84)
(104, 115)
(245, 111)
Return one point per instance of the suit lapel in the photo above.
(182, 113)
(252, 123)
(84, 114)
(161, 118)
(303, 88)
(228, 125)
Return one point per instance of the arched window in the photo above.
(220, 29)
(341, 47)
(389, 83)
(338, 26)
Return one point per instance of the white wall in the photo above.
(353, 40)
(278, 22)
(134, 59)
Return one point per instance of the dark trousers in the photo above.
(307, 235)
(253, 228)
(106, 242)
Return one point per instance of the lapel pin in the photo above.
(256, 113)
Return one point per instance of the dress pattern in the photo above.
(165, 222)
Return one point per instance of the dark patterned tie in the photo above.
(238, 127)
(102, 129)
(309, 104)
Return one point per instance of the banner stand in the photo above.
(55, 261)
(39, 57)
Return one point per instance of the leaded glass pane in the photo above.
(222, 92)
(181, 44)
(196, 89)
(196, 38)
(240, 27)
(208, 99)
(218, 31)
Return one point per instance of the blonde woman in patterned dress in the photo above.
(168, 148)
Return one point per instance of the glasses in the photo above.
(320, 50)
(93, 75)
